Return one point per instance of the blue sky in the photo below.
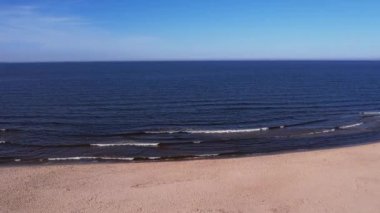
(90, 30)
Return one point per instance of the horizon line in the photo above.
(189, 60)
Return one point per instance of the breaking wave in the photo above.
(323, 131)
(91, 158)
(100, 145)
(351, 125)
(138, 133)
(127, 144)
(217, 131)
(227, 131)
(337, 128)
(369, 114)
(131, 159)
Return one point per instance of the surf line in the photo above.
(338, 128)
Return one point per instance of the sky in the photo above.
(117, 30)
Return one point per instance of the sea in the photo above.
(174, 110)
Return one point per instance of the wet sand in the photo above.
(334, 180)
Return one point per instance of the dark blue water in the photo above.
(170, 110)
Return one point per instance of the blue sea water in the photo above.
(125, 111)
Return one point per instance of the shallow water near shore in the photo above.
(128, 111)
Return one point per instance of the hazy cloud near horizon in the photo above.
(27, 34)
(164, 30)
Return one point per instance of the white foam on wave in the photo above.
(127, 144)
(154, 158)
(115, 158)
(351, 126)
(72, 158)
(207, 155)
(90, 158)
(3, 130)
(226, 131)
(370, 113)
(222, 131)
(163, 132)
(2, 142)
(323, 131)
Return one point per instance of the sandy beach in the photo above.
(333, 180)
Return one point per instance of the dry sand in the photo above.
(334, 180)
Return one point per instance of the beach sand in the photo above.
(333, 180)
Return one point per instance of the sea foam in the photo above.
(226, 131)
(323, 131)
(207, 155)
(370, 113)
(91, 158)
(127, 144)
(351, 126)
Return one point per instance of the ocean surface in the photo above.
(131, 111)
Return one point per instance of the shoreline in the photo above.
(45, 162)
(342, 179)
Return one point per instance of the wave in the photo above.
(145, 144)
(207, 155)
(137, 144)
(323, 131)
(81, 145)
(351, 126)
(369, 114)
(92, 158)
(44, 145)
(154, 158)
(9, 130)
(226, 131)
(164, 132)
(127, 144)
(297, 124)
(337, 128)
(200, 131)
